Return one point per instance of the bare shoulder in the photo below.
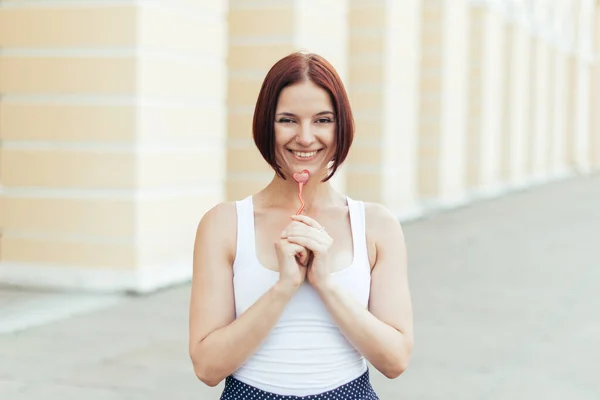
(222, 212)
(219, 226)
(384, 231)
(381, 221)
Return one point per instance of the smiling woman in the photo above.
(284, 305)
(312, 100)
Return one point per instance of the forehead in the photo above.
(304, 96)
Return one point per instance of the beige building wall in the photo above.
(451, 185)
(476, 72)
(121, 123)
(530, 133)
(260, 33)
(519, 104)
(443, 106)
(559, 111)
(495, 86)
(430, 99)
(595, 97)
(110, 117)
(540, 112)
(585, 59)
(571, 95)
(582, 116)
(579, 70)
(384, 68)
(507, 110)
(487, 37)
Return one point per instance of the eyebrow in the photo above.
(288, 114)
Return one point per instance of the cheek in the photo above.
(331, 145)
(328, 136)
(283, 134)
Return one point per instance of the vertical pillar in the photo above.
(105, 153)
(571, 110)
(476, 68)
(533, 88)
(443, 118)
(486, 87)
(181, 130)
(584, 50)
(519, 89)
(260, 33)
(550, 108)
(558, 84)
(540, 111)
(430, 100)
(494, 105)
(384, 54)
(595, 95)
(507, 109)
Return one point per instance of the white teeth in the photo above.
(305, 155)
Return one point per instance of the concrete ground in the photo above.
(505, 299)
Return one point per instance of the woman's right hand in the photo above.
(292, 260)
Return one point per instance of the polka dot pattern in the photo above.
(358, 389)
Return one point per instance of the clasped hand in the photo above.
(309, 234)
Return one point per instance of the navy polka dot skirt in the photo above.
(358, 389)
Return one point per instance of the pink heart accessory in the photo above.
(302, 178)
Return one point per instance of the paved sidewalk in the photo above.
(505, 299)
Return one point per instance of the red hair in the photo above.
(295, 68)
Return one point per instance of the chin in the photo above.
(291, 165)
(315, 171)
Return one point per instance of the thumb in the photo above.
(302, 256)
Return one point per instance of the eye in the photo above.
(286, 120)
(324, 121)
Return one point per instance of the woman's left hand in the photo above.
(307, 232)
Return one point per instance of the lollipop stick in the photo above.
(300, 185)
(301, 178)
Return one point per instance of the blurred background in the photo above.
(123, 121)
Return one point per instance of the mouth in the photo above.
(305, 155)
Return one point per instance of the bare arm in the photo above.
(384, 333)
(218, 343)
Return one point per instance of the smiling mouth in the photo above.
(304, 154)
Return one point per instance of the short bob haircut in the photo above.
(295, 68)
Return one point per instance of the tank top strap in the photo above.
(245, 229)
(359, 232)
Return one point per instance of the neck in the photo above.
(316, 194)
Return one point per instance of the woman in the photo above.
(285, 305)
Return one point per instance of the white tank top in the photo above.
(305, 353)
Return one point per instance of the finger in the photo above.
(308, 243)
(296, 224)
(300, 228)
(303, 230)
(308, 221)
(287, 247)
(305, 220)
(302, 256)
(295, 248)
(297, 229)
(291, 226)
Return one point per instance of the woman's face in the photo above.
(304, 129)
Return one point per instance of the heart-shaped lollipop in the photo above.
(302, 178)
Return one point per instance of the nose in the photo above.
(305, 136)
